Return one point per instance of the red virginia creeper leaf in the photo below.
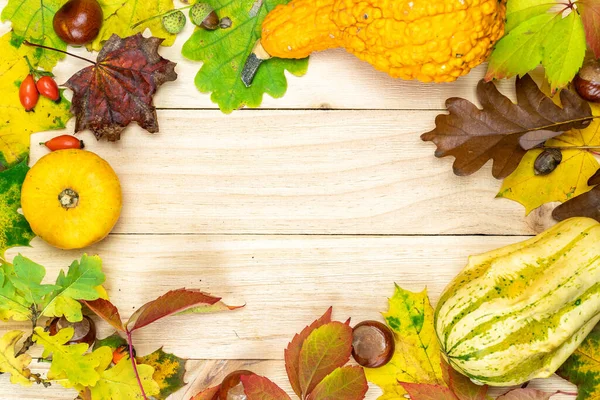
(292, 353)
(423, 391)
(526, 394)
(584, 205)
(107, 311)
(590, 15)
(475, 136)
(347, 383)
(260, 388)
(464, 388)
(170, 303)
(325, 349)
(118, 89)
(594, 179)
(208, 394)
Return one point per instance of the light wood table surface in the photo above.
(325, 197)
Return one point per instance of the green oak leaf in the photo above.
(224, 52)
(28, 280)
(80, 283)
(169, 371)
(32, 21)
(12, 304)
(582, 368)
(14, 229)
(536, 36)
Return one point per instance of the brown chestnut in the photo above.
(373, 344)
(78, 22)
(232, 387)
(84, 330)
(587, 81)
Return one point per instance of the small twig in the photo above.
(158, 16)
(29, 341)
(27, 43)
(132, 357)
(41, 381)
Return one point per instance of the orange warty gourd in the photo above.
(428, 40)
(71, 198)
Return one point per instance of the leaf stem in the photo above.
(29, 341)
(159, 15)
(132, 358)
(566, 393)
(28, 43)
(573, 148)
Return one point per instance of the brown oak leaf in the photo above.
(594, 179)
(584, 205)
(118, 88)
(474, 136)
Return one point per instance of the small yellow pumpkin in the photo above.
(71, 198)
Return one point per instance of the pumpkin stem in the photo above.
(68, 198)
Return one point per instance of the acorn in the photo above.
(587, 81)
(84, 330)
(373, 344)
(174, 22)
(203, 15)
(547, 161)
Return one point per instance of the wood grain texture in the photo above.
(297, 172)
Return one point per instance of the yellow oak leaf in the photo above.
(70, 362)
(570, 177)
(15, 366)
(16, 124)
(417, 355)
(121, 16)
(120, 382)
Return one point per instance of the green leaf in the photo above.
(224, 52)
(28, 280)
(520, 51)
(113, 341)
(582, 368)
(14, 229)
(518, 11)
(347, 383)
(169, 371)
(564, 50)
(417, 354)
(32, 21)
(80, 283)
(12, 304)
(70, 362)
(326, 348)
(121, 15)
(15, 366)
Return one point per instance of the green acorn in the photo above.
(203, 15)
(174, 22)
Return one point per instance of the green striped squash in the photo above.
(517, 313)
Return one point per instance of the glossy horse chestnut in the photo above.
(232, 387)
(84, 330)
(373, 344)
(78, 22)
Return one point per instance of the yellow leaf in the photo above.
(15, 366)
(169, 371)
(121, 15)
(417, 356)
(120, 383)
(16, 124)
(71, 362)
(568, 180)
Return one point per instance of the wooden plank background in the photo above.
(325, 197)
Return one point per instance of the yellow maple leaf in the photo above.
(15, 366)
(121, 16)
(120, 382)
(16, 124)
(568, 180)
(417, 358)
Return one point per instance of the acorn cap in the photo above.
(202, 14)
